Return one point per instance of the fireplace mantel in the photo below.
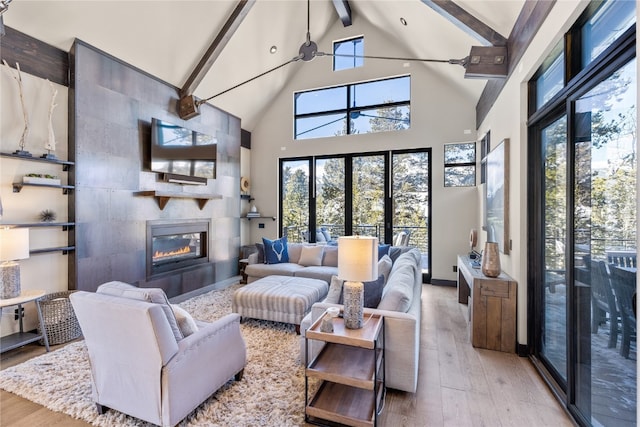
(163, 197)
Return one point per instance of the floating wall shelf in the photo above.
(65, 225)
(65, 250)
(65, 164)
(163, 197)
(17, 186)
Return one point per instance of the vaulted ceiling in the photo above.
(169, 38)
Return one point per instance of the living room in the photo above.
(104, 111)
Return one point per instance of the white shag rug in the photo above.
(270, 393)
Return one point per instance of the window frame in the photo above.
(343, 41)
(349, 110)
(461, 164)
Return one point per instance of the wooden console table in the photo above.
(492, 307)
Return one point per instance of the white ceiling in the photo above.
(168, 38)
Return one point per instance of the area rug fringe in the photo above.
(270, 393)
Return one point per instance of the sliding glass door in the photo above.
(376, 194)
(583, 220)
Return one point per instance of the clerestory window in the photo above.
(368, 107)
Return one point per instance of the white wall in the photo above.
(508, 119)
(440, 114)
(43, 271)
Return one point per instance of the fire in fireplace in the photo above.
(173, 245)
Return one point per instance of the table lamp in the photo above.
(357, 263)
(14, 245)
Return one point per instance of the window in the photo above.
(460, 165)
(551, 79)
(375, 106)
(606, 25)
(348, 54)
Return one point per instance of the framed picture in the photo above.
(497, 196)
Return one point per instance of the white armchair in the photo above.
(141, 364)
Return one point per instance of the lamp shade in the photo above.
(14, 244)
(358, 258)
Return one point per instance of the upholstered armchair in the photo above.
(148, 363)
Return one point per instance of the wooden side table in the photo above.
(351, 368)
(21, 338)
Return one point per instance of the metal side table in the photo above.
(21, 338)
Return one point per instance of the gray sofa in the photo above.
(328, 264)
(401, 307)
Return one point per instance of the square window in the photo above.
(460, 165)
(348, 54)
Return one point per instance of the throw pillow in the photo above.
(372, 292)
(311, 255)
(335, 291)
(384, 267)
(153, 295)
(185, 322)
(383, 250)
(320, 237)
(330, 257)
(275, 251)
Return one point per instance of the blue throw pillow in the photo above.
(275, 251)
(372, 293)
(383, 250)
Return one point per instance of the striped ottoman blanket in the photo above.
(284, 299)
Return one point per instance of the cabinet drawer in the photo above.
(495, 289)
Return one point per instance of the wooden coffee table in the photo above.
(350, 369)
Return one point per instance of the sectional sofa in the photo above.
(400, 303)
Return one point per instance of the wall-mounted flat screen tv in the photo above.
(179, 151)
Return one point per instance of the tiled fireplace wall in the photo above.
(110, 108)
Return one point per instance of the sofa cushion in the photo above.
(398, 293)
(275, 251)
(320, 272)
(153, 295)
(372, 292)
(330, 256)
(311, 255)
(264, 270)
(384, 267)
(295, 250)
(396, 251)
(185, 322)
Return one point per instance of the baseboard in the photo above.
(441, 282)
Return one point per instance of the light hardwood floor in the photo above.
(458, 385)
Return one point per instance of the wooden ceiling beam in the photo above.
(219, 43)
(344, 11)
(466, 22)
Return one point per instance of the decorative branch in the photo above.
(18, 77)
(50, 143)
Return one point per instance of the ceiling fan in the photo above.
(188, 106)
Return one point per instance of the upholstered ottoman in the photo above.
(284, 299)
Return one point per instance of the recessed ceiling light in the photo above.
(273, 49)
(403, 21)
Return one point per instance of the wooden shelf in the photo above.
(163, 197)
(17, 186)
(65, 225)
(65, 164)
(359, 373)
(343, 404)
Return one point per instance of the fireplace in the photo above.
(174, 245)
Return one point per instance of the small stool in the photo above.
(284, 299)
